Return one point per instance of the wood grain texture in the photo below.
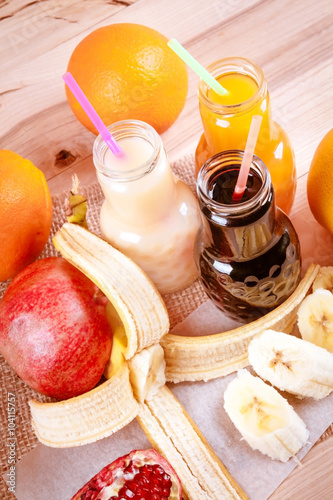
(291, 40)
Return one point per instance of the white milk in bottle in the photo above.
(148, 214)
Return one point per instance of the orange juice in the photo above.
(226, 121)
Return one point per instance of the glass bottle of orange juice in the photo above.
(226, 121)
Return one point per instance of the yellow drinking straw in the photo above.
(247, 158)
(197, 68)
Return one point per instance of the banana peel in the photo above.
(207, 357)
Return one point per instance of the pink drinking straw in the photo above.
(96, 120)
(247, 158)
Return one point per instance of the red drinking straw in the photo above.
(96, 120)
(247, 158)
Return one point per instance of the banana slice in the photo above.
(324, 279)
(147, 372)
(315, 319)
(133, 295)
(292, 364)
(86, 418)
(172, 433)
(264, 418)
(212, 356)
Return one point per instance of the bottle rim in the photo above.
(120, 130)
(230, 65)
(223, 161)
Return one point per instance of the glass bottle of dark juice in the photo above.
(247, 252)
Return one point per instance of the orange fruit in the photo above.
(25, 213)
(127, 71)
(320, 183)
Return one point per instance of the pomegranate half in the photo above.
(54, 330)
(140, 475)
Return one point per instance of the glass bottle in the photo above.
(247, 252)
(226, 122)
(148, 214)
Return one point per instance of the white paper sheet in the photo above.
(46, 473)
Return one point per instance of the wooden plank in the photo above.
(309, 480)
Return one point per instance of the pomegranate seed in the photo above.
(146, 469)
(158, 469)
(132, 485)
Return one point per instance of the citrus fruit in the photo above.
(127, 71)
(25, 213)
(320, 183)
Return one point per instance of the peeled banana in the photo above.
(147, 372)
(315, 318)
(292, 364)
(264, 418)
(139, 318)
(324, 279)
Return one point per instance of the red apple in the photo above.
(54, 330)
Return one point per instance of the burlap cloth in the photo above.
(179, 306)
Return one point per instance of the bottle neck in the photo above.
(242, 95)
(137, 186)
(236, 229)
(226, 119)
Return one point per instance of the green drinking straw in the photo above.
(197, 68)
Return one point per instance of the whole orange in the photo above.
(127, 71)
(320, 183)
(25, 213)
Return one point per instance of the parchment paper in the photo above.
(64, 471)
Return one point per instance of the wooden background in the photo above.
(292, 40)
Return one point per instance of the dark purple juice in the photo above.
(222, 185)
(247, 253)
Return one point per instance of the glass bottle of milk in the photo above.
(149, 214)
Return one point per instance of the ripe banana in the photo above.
(315, 318)
(172, 433)
(264, 418)
(212, 356)
(292, 364)
(324, 279)
(147, 372)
